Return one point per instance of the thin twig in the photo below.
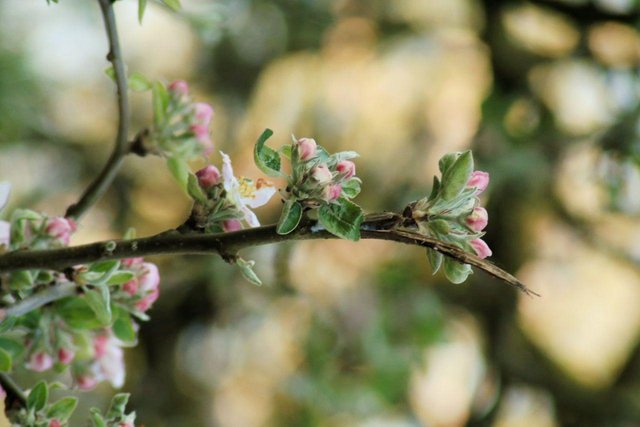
(102, 182)
(13, 390)
(377, 226)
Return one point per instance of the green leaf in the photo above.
(351, 188)
(104, 266)
(194, 190)
(118, 405)
(110, 72)
(99, 301)
(455, 179)
(173, 4)
(435, 189)
(22, 214)
(63, 408)
(100, 274)
(120, 278)
(342, 219)
(5, 360)
(285, 150)
(267, 159)
(7, 324)
(142, 5)
(343, 155)
(439, 227)
(21, 280)
(77, 313)
(138, 82)
(38, 397)
(160, 100)
(456, 272)
(435, 259)
(14, 347)
(97, 419)
(290, 217)
(180, 171)
(123, 328)
(246, 268)
(130, 234)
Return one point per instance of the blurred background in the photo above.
(546, 93)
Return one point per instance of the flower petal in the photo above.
(5, 233)
(228, 179)
(260, 197)
(250, 217)
(5, 190)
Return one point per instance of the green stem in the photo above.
(102, 182)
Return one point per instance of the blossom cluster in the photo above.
(452, 213)
(180, 125)
(225, 202)
(317, 177)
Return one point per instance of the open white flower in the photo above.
(5, 227)
(244, 193)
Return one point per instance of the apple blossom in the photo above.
(481, 248)
(66, 355)
(61, 229)
(86, 382)
(55, 423)
(478, 219)
(347, 168)
(179, 87)
(40, 361)
(321, 174)
(332, 192)
(480, 180)
(203, 112)
(231, 225)
(131, 287)
(306, 148)
(208, 176)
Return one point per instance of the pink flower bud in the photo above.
(40, 362)
(307, 148)
(145, 303)
(481, 248)
(208, 176)
(150, 279)
(60, 229)
(478, 219)
(66, 355)
(126, 424)
(100, 344)
(231, 225)
(332, 192)
(321, 174)
(347, 168)
(55, 423)
(131, 287)
(201, 133)
(131, 262)
(179, 87)
(86, 382)
(480, 180)
(203, 112)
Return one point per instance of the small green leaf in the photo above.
(14, 347)
(351, 188)
(138, 82)
(455, 271)
(246, 268)
(142, 5)
(120, 278)
(446, 161)
(285, 150)
(7, 324)
(435, 189)
(77, 313)
(118, 405)
(38, 397)
(180, 171)
(25, 214)
(290, 217)
(104, 266)
(5, 361)
(194, 190)
(455, 179)
(439, 227)
(173, 4)
(435, 259)
(342, 219)
(267, 159)
(99, 301)
(343, 155)
(21, 280)
(123, 328)
(160, 100)
(97, 419)
(130, 234)
(110, 72)
(63, 408)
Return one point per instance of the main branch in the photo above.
(376, 226)
(102, 182)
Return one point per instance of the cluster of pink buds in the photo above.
(142, 290)
(318, 177)
(182, 129)
(479, 218)
(60, 229)
(107, 363)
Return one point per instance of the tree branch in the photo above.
(102, 182)
(376, 226)
(13, 390)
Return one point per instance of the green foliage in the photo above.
(267, 159)
(342, 219)
(38, 397)
(62, 409)
(290, 217)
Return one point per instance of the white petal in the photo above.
(260, 197)
(5, 233)
(250, 217)
(228, 179)
(5, 190)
